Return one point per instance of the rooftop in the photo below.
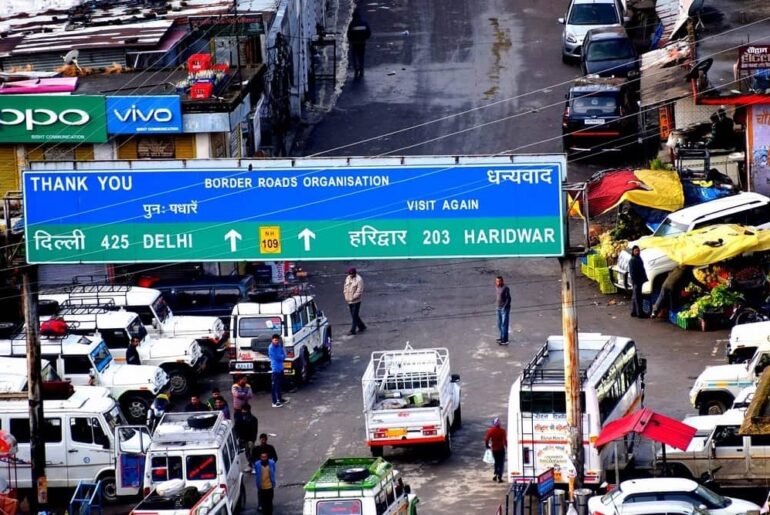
(326, 478)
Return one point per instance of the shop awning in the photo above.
(649, 424)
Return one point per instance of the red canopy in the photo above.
(647, 423)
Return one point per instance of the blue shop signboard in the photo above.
(144, 115)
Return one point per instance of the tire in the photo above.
(135, 408)
(202, 420)
(565, 59)
(179, 381)
(747, 316)
(241, 500)
(377, 451)
(212, 357)
(713, 406)
(458, 418)
(326, 350)
(302, 375)
(109, 488)
(445, 448)
(353, 475)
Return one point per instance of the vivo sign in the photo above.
(144, 115)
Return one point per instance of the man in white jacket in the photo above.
(353, 290)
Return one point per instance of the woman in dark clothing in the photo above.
(638, 278)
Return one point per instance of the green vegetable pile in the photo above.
(716, 300)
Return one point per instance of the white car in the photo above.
(656, 490)
(662, 508)
(584, 15)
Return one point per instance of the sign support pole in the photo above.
(572, 368)
(39, 501)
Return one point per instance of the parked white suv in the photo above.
(750, 209)
(667, 489)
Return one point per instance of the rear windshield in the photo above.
(255, 327)
(200, 467)
(594, 105)
(346, 507)
(593, 14)
(610, 49)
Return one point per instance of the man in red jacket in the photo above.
(496, 440)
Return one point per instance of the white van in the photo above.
(750, 209)
(199, 448)
(149, 304)
(78, 438)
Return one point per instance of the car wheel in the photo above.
(210, 353)
(713, 407)
(179, 381)
(241, 500)
(326, 350)
(377, 451)
(135, 408)
(565, 59)
(445, 450)
(109, 488)
(302, 375)
(458, 419)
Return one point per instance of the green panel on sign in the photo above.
(325, 239)
(52, 118)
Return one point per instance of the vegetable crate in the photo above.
(587, 271)
(606, 287)
(597, 261)
(686, 323)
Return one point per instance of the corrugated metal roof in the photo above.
(664, 73)
(257, 6)
(671, 12)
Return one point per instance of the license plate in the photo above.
(396, 432)
(594, 121)
(244, 366)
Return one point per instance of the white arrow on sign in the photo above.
(233, 236)
(306, 235)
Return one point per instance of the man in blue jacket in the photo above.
(277, 356)
(265, 474)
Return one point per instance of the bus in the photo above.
(612, 385)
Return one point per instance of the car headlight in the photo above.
(571, 38)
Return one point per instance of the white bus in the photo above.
(611, 376)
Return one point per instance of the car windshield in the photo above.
(161, 309)
(609, 50)
(669, 228)
(594, 105)
(712, 500)
(593, 14)
(611, 495)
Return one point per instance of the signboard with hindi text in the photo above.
(317, 212)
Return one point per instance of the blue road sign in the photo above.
(297, 213)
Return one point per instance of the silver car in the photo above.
(584, 15)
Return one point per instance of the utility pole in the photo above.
(36, 418)
(572, 368)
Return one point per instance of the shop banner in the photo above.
(52, 118)
(754, 57)
(758, 139)
(144, 115)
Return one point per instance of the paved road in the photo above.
(429, 60)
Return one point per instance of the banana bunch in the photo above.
(610, 248)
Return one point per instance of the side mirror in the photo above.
(455, 378)
(561, 21)
(320, 314)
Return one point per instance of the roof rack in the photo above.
(75, 307)
(97, 288)
(175, 427)
(534, 372)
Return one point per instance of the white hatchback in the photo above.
(584, 15)
(660, 489)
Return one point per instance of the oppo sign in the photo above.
(42, 117)
(52, 118)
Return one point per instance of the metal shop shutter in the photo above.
(185, 146)
(84, 153)
(9, 169)
(127, 149)
(49, 275)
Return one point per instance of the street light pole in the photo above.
(34, 387)
(572, 368)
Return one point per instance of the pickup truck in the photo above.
(84, 361)
(720, 452)
(716, 387)
(410, 398)
(179, 356)
(211, 502)
(744, 340)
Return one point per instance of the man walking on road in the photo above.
(265, 474)
(353, 290)
(277, 355)
(496, 440)
(358, 33)
(503, 309)
(638, 278)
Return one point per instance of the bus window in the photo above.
(547, 402)
(620, 377)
